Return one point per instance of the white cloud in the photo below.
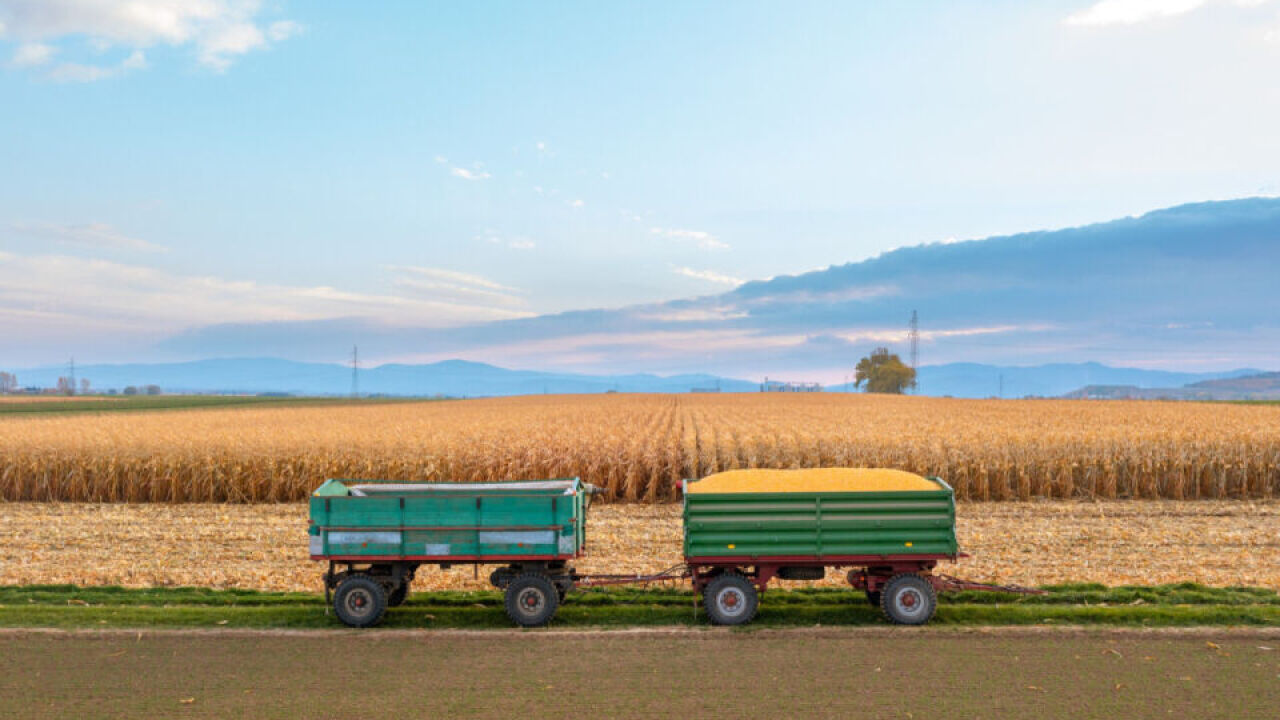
(219, 31)
(80, 298)
(517, 242)
(441, 284)
(137, 60)
(78, 72)
(282, 30)
(1132, 12)
(32, 54)
(576, 203)
(843, 294)
(708, 275)
(452, 276)
(603, 348)
(91, 235)
(902, 336)
(466, 174)
(442, 160)
(465, 293)
(222, 45)
(705, 240)
(707, 314)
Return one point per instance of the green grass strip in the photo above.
(572, 615)
(1085, 594)
(1183, 604)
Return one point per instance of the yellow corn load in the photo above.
(814, 480)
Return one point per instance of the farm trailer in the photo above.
(376, 535)
(744, 529)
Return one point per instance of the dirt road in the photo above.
(888, 673)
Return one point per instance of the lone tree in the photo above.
(884, 373)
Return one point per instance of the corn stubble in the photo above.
(640, 446)
(1114, 542)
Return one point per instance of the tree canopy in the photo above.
(884, 372)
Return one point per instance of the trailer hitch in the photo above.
(675, 572)
(950, 582)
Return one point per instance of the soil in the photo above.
(897, 673)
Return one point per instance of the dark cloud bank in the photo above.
(1189, 287)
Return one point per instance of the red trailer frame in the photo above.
(877, 569)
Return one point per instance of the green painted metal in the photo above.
(466, 521)
(820, 524)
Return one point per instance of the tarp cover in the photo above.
(364, 489)
(814, 480)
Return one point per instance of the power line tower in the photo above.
(355, 371)
(71, 372)
(913, 334)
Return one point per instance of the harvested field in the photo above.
(1218, 543)
(640, 446)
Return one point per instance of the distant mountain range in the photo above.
(1263, 386)
(460, 378)
(1052, 380)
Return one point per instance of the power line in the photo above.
(914, 334)
(355, 371)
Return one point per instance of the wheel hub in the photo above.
(530, 601)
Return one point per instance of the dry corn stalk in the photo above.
(640, 446)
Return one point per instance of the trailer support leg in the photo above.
(328, 588)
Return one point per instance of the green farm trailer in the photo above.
(376, 535)
(737, 542)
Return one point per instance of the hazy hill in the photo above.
(462, 378)
(1261, 386)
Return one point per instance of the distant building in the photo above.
(782, 386)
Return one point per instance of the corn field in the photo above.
(640, 446)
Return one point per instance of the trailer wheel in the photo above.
(531, 600)
(908, 599)
(730, 599)
(396, 597)
(360, 601)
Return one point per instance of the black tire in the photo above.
(501, 577)
(908, 599)
(730, 599)
(531, 600)
(360, 601)
(396, 597)
(873, 596)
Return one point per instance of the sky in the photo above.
(168, 167)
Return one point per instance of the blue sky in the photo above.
(182, 165)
